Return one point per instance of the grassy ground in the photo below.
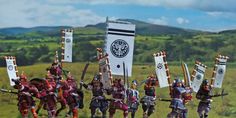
(221, 108)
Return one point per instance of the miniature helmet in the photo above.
(177, 80)
(69, 76)
(205, 82)
(48, 75)
(23, 77)
(135, 82)
(54, 63)
(97, 76)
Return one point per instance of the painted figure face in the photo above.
(134, 84)
(179, 84)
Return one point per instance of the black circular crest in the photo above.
(220, 71)
(68, 40)
(10, 67)
(159, 66)
(119, 48)
(199, 77)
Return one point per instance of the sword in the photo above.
(8, 91)
(83, 74)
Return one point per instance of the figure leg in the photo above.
(150, 110)
(93, 111)
(200, 110)
(145, 108)
(63, 105)
(112, 111)
(133, 114)
(35, 115)
(39, 106)
(75, 113)
(185, 113)
(24, 113)
(125, 108)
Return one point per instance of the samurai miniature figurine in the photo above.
(133, 98)
(25, 96)
(70, 93)
(118, 96)
(98, 101)
(178, 95)
(204, 95)
(148, 101)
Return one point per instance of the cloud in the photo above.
(161, 21)
(181, 20)
(204, 5)
(28, 14)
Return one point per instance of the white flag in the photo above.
(219, 71)
(198, 76)
(120, 46)
(161, 69)
(11, 69)
(67, 44)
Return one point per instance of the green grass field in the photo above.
(221, 108)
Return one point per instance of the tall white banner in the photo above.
(11, 69)
(219, 71)
(120, 45)
(161, 69)
(198, 76)
(67, 44)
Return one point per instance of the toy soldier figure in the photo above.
(118, 96)
(204, 95)
(178, 95)
(25, 96)
(70, 89)
(48, 97)
(98, 101)
(133, 98)
(56, 70)
(148, 101)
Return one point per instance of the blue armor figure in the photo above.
(204, 95)
(148, 101)
(98, 101)
(133, 98)
(178, 94)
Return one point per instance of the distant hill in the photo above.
(228, 31)
(21, 30)
(142, 28)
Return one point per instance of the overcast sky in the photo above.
(210, 15)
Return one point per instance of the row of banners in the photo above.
(119, 47)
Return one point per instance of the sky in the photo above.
(206, 15)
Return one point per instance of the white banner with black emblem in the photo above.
(198, 76)
(11, 69)
(68, 44)
(161, 71)
(220, 72)
(120, 45)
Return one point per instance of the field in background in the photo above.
(221, 108)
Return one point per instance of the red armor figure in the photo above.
(25, 96)
(118, 96)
